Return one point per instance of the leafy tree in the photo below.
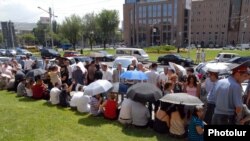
(90, 28)
(71, 29)
(28, 38)
(108, 21)
(41, 33)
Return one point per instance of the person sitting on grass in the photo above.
(162, 118)
(28, 87)
(110, 107)
(39, 90)
(54, 94)
(21, 88)
(196, 125)
(140, 115)
(64, 96)
(95, 102)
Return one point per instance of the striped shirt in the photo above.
(192, 133)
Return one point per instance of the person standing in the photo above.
(228, 96)
(117, 72)
(213, 76)
(203, 56)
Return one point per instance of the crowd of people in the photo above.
(63, 85)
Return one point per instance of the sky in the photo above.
(27, 11)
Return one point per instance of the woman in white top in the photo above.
(54, 76)
(192, 87)
(28, 87)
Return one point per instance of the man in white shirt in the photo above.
(54, 94)
(106, 73)
(28, 64)
(163, 78)
(125, 116)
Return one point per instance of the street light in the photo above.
(243, 29)
(50, 22)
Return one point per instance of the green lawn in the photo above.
(24, 119)
(210, 53)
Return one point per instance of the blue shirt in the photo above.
(192, 132)
(228, 96)
(211, 95)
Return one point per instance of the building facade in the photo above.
(220, 22)
(213, 22)
(154, 22)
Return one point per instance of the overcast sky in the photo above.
(27, 11)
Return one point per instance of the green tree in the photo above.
(108, 21)
(71, 29)
(28, 38)
(90, 28)
(41, 33)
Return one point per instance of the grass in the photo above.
(210, 53)
(24, 119)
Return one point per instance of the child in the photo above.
(95, 102)
(109, 107)
(196, 126)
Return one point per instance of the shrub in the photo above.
(159, 49)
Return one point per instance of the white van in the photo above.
(223, 57)
(140, 54)
(242, 46)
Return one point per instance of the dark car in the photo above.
(49, 53)
(23, 52)
(2, 52)
(10, 52)
(175, 58)
(239, 60)
(71, 53)
(83, 58)
(107, 57)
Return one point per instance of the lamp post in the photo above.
(244, 28)
(91, 38)
(50, 22)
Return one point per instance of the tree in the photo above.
(28, 38)
(90, 28)
(108, 21)
(71, 29)
(41, 33)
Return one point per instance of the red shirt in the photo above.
(38, 91)
(110, 109)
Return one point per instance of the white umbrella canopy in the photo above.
(178, 67)
(182, 98)
(221, 68)
(98, 87)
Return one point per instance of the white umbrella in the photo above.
(221, 68)
(98, 87)
(182, 98)
(178, 67)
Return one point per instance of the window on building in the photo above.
(170, 9)
(154, 11)
(149, 11)
(159, 11)
(164, 10)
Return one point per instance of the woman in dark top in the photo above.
(64, 96)
(64, 74)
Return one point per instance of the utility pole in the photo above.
(50, 22)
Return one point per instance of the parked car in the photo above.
(140, 54)
(83, 58)
(124, 60)
(239, 60)
(10, 52)
(49, 53)
(228, 47)
(175, 58)
(23, 52)
(71, 53)
(107, 57)
(242, 46)
(5, 59)
(2, 52)
(223, 57)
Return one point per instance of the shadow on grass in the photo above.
(26, 99)
(90, 120)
